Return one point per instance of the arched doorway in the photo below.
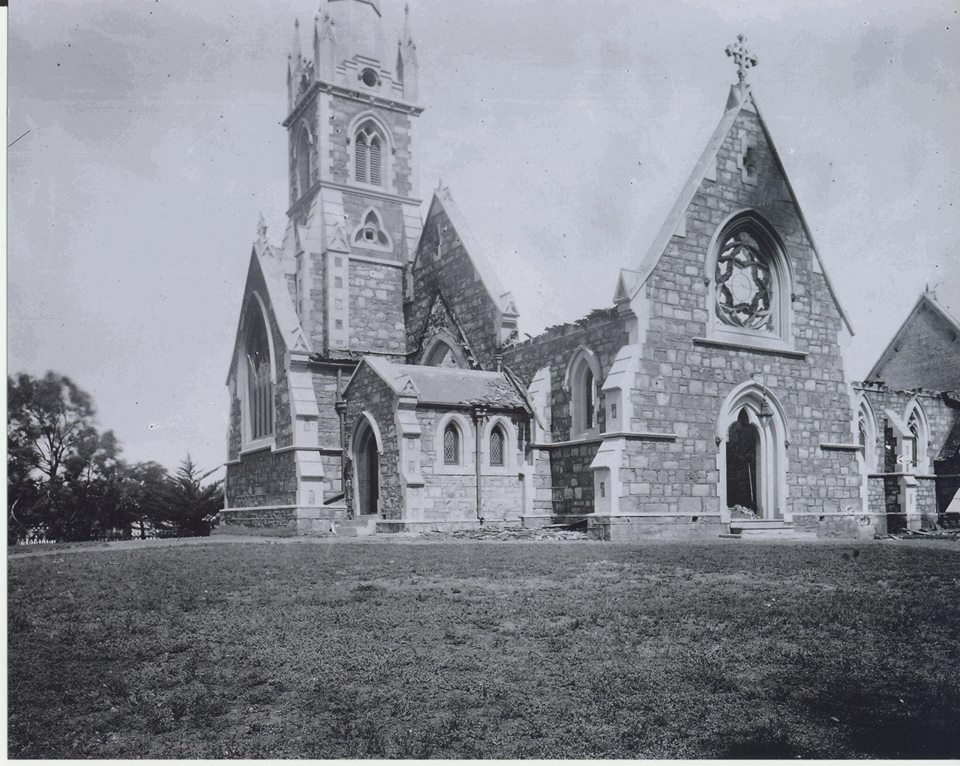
(742, 441)
(366, 467)
(752, 457)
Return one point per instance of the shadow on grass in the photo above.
(908, 738)
(763, 741)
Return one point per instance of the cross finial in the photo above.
(743, 58)
(262, 231)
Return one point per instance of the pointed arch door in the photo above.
(366, 460)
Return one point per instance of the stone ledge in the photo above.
(652, 436)
(826, 446)
(787, 352)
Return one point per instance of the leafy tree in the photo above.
(64, 478)
(68, 481)
(54, 417)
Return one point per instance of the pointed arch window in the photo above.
(303, 161)
(744, 286)
(915, 432)
(589, 393)
(497, 442)
(451, 444)
(582, 381)
(918, 436)
(441, 351)
(259, 388)
(867, 434)
(368, 154)
(750, 283)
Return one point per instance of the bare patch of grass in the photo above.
(486, 650)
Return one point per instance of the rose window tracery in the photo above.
(744, 283)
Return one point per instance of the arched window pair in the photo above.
(368, 151)
(751, 284)
(453, 446)
(259, 377)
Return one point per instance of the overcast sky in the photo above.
(564, 130)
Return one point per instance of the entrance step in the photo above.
(760, 524)
(361, 526)
(761, 528)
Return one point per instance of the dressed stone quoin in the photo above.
(378, 383)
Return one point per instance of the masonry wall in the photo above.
(376, 308)
(444, 265)
(451, 494)
(604, 332)
(682, 383)
(368, 392)
(941, 419)
(313, 317)
(328, 424)
(262, 478)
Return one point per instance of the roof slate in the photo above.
(440, 385)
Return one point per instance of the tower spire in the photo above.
(407, 67)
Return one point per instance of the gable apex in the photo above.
(928, 347)
(277, 302)
(501, 298)
(739, 99)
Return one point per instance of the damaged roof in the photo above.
(447, 386)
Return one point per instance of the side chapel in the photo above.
(378, 384)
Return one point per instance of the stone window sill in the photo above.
(257, 446)
(757, 349)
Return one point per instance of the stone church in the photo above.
(378, 384)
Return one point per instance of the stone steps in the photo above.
(765, 529)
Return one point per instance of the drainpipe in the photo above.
(340, 405)
(479, 415)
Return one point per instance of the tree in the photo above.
(147, 488)
(65, 479)
(188, 505)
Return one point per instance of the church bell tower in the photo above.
(354, 213)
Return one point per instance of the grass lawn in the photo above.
(493, 650)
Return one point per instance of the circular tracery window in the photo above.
(744, 283)
(369, 78)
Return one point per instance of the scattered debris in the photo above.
(742, 512)
(940, 534)
(553, 532)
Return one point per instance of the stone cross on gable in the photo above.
(262, 231)
(743, 58)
